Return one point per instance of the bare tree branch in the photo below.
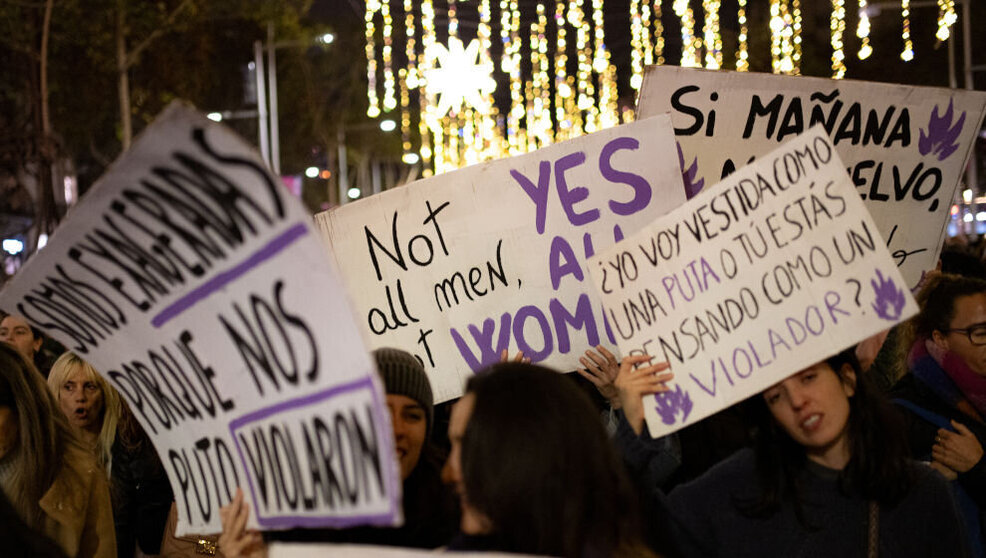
(134, 54)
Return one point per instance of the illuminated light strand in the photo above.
(518, 139)
(782, 46)
(547, 129)
(743, 54)
(658, 33)
(532, 87)
(606, 108)
(636, 44)
(691, 45)
(427, 121)
(946, 18)
(389, 83)
(453, 20)
(409, 78)
(563, 90)
(776, 27)
(905, 13)
(646, 44)
(710, 30)
(796, 9)
(487, 131)
(585, 88)
(373, 109)
(837, 25)
(863, 31)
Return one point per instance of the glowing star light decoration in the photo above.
(459, 76)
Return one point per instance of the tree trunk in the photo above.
(122, 71)
(47, 215)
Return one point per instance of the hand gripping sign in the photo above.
(461, 266)
(197, 286)
(769, 271)
(904, 147)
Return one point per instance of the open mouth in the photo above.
(811, 423)
(81, 414)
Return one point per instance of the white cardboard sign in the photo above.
(769, 271)
(457, 267)
(197, 286)
(904, 147)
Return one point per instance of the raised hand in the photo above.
(235, 541)
(519, 357)
(637, 378)
(601, 368)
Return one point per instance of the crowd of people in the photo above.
(876, 450)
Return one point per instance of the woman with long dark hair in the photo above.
(827, 476)
(55, 485)
(535, 471)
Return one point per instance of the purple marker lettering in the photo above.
(539, 193)
(484, 340)
(570, 197)
(582, 318)
(642, 190)
(562, 262)
(520, 319)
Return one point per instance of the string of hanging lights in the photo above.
(561, 88)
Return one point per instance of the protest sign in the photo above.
(192, 280)
(769, 271)
(457, 267)
(904, 147)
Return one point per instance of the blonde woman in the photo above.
(52, 481)
(141, 496)
(90, 404)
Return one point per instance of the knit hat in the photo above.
(402, 374)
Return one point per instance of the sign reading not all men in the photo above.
(458, 267)
(769, 271)
(191, 280)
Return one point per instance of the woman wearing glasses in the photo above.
(944, 392)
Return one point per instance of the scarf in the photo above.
(948, 377)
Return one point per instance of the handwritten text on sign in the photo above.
(458, 267)
(771, 270)
(904, 147)
(192, 282)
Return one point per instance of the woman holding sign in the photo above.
(48, 476)
(827, 475)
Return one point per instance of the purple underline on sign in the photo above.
(383, 518)
(303, 401)
(265, 253)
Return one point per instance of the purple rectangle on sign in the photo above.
(265, 253)
(284, 521)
